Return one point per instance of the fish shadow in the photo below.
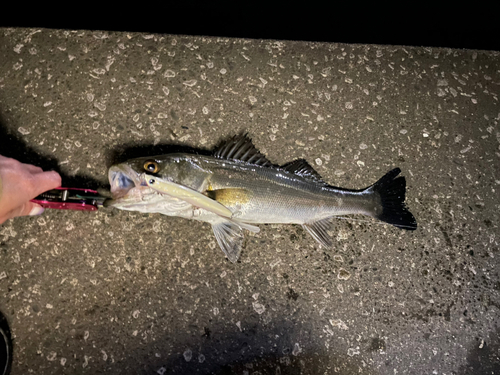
(13, 147)
(122, 153)
(133, 150)
(136, 149)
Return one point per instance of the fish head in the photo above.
(129, 188)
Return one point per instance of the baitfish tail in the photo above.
(392, 189)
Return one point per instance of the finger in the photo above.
(26, 209)
(46, 181)
(32, 168)
(5, 159)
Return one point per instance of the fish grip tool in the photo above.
(70, 199)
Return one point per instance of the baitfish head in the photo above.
(129, 188)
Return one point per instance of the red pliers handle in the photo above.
(70, 199)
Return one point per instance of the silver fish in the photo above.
(239, 187)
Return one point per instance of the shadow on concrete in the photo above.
(257, 349)
(484, 357)
(6, 346)
(13, 147)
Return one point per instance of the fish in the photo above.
(237, 187)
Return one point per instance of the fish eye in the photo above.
(151, 166)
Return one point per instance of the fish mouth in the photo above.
(122, 179)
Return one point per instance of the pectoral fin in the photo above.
(229, 236)
(187, 194)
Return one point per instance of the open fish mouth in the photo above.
(122, 179)
(130, 191)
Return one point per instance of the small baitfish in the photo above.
(239, 187)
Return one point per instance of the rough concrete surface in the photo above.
(128, 293)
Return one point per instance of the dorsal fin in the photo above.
(240, 147)
(302, 168)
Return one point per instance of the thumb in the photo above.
(47, 181)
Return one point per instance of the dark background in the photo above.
(472, 25)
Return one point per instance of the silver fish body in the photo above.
(238, 187)
(257, 194)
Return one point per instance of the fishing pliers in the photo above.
(71, 199)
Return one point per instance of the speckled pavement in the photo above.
(127, 293)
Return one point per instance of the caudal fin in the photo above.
(392, 191)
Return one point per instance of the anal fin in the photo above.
(319, 230)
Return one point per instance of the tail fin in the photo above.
(392, 191)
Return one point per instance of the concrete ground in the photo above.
(128, 293)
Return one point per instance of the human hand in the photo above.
(19, 183)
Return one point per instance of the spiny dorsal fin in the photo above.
(240, 147)
(302, 168)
